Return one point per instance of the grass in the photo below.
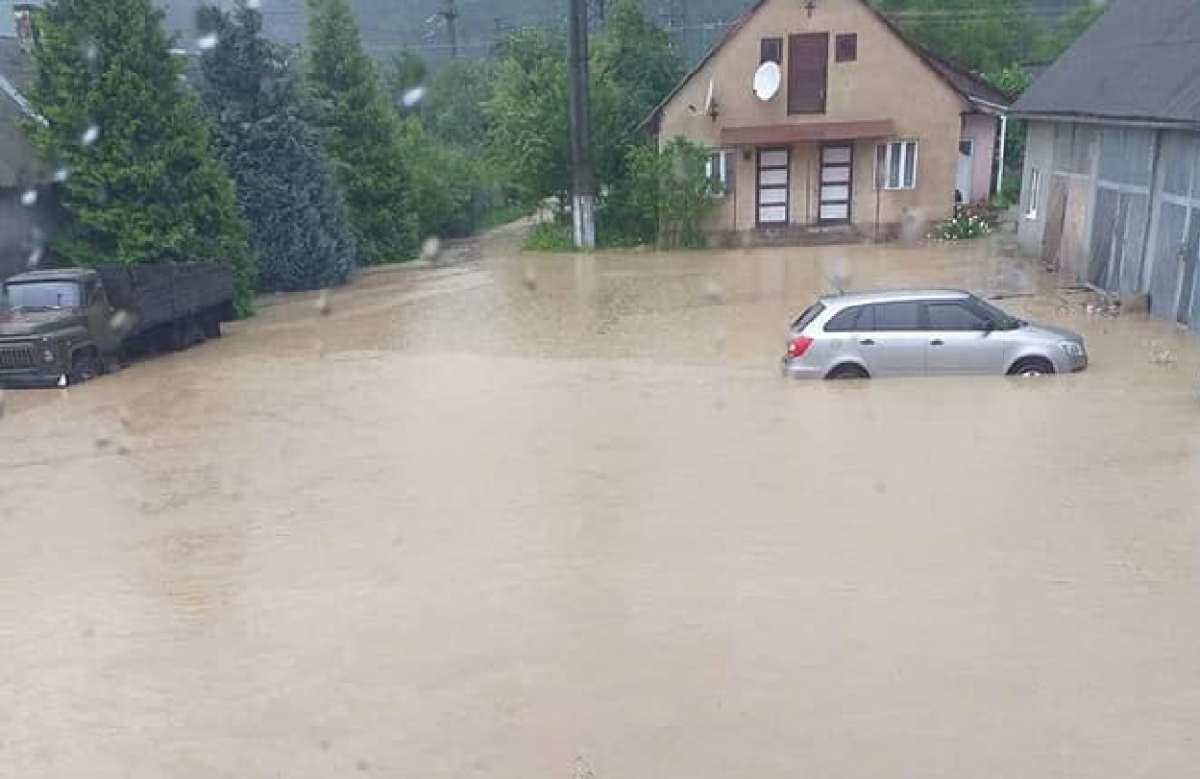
(550, 237)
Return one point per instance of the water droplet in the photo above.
(121, 322)
(363, 765)
(413, 96)
(713, 292)
(431, 248)
(61, 175)
(103, 443)
(35, 257)
(206, 42)
(324, 306)
(91, 52)
(123, 450)
(62, 381)
(90, 135)
(29, 197)
(530, 278)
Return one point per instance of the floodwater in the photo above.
(560, 517)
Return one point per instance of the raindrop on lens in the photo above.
(324, 307)
(90, 135)
(61, 175)
(206, 42)
(431, 248)
(413, 96)
(29, 197)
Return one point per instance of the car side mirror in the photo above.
(987, 328)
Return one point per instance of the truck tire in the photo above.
(85, 366)
(211, 324)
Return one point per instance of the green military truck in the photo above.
(71, 324)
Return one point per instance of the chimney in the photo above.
(25, 14)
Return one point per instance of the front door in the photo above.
(837, 176)
(773, 183)
(966, 171)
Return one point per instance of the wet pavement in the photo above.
(547, 516)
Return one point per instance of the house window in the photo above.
(896, 165)
(771, 51)
(721, 169)
(847, 48)
(1035, 187)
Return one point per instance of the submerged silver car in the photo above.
(923, 333)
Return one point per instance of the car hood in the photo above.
(22, 323)
(1050, 333)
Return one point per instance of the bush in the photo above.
(550, 237)
(966, 223)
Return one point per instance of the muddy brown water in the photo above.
(544, 516)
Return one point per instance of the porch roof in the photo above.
(776, 134)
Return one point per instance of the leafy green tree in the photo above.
(362, 134)
(528, 142)
(983, 35)
(1055, 43)
(454, 109)
(674, 186)
(144, 184)
(406, 71)
(265, 131)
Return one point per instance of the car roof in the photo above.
(892, 296)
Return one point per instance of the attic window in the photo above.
(847, 48)
(772, 51)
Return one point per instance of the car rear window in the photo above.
(808, 316)
(850, 320)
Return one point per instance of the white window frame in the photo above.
(717, 162)
(1035, 193)
(900, 144)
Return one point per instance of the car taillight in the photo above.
(799, 346)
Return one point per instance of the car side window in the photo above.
(899, 317)
(954, 316)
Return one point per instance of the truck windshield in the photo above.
(42, 294)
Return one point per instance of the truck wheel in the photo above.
(211, 325)
(84, 367)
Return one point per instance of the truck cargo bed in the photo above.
(155, 294)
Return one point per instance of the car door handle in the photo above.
(867, 342)
(937, 342)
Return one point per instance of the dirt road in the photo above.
(543, 516)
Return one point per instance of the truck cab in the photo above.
(55, 324)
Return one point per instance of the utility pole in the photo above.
(449, 12)
(583, 185)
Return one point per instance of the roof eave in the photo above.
(1084, 117)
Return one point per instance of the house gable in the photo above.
(890, 78)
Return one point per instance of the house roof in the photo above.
(968, 85)
(1140, 61)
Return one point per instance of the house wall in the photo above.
(982, 129)
(1039, 156)
(1119, 209)
(888, 81)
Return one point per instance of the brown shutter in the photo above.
(808, 70)
(771, 50)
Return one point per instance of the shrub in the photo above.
(552, 236)
(966, 223)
